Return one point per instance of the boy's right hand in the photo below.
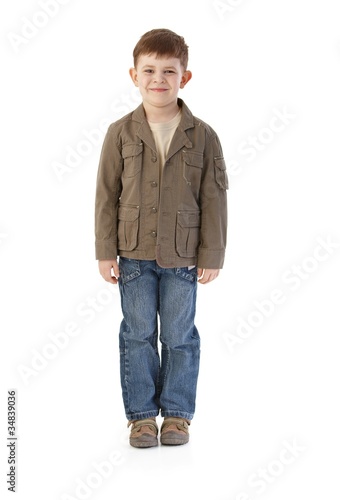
(105, 267)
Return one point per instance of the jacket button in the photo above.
(154, 234)
(154, 210)
(154, 159)
(154, 184)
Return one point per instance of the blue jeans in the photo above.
(152, 383)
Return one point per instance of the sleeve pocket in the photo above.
(221, 176)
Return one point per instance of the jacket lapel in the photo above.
(144, 131)
(180, 138)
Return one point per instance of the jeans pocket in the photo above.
(186, 273)
(129, 269)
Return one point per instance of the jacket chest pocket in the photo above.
(132, 158)
(188, 232)
(128, 227)
(192, 167)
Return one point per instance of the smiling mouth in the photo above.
(159, 90)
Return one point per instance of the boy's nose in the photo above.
(158, 78)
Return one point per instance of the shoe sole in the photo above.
(144, 443)
(172, 438)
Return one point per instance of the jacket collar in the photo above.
(180, 138)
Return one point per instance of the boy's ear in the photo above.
(133, 75)
(187, 75)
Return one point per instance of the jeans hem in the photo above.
(142, 415)
(175, 413)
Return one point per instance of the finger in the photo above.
(204, 280)
(115, 269)
(204, 277)
(209, 276)
(109, 278)
(113, 278)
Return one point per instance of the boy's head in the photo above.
(160, 59)
(162, 43)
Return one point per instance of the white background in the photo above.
(261, 386)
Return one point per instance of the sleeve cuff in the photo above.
(210, 259)
(106, 250)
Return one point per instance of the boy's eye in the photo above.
(150, 71)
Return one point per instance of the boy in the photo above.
(161, 207)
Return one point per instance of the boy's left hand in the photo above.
(207, 275)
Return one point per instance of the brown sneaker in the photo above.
(143, 433)
(175, 431)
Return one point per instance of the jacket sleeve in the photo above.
(213, 203)
(108, 191)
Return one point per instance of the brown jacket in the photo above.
(180, 220)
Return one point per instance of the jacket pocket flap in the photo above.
(221, 173)
(194, 159)
(189, 218)
(220, 163)
(129, 150)
(128, 214)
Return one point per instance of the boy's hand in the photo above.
(105, 267)
(207, 275)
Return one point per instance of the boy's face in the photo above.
(159, 79)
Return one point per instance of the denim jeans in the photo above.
(158, 299)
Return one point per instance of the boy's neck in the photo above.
(161, 115)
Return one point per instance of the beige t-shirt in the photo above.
(163, 134)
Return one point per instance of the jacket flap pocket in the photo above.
(220, 163)
(129, 150)
(193, 159)
(221, 172)
(189, 218)
(128, 214)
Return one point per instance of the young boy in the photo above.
(161, 207)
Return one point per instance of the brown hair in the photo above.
(162, 42)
